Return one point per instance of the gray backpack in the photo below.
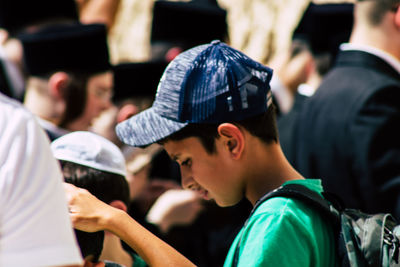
(362, 239)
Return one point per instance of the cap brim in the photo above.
(146, 128)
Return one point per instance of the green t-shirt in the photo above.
(285, 232)
(137, 260)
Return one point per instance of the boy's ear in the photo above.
(127, 111)
(57, 83)
(119, 205)
(397, 18)
(232, 138)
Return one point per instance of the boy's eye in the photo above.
(186, 162)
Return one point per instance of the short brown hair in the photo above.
(75, 96)
(104, 185)
(262, 126)
(378, 8)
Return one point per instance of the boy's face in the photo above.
(213, 176)
(99, 88)
(99, 92)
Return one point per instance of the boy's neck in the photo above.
(270, 169)
(113, 251)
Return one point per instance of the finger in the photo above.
(69, 188)
(70, 191)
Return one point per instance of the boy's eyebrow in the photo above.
(174, 157)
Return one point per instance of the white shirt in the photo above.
(35, 229)
(52, 127)
(391, 60)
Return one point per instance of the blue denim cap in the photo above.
(208, 84)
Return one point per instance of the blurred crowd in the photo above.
(77, 68)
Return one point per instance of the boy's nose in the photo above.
(186, 178)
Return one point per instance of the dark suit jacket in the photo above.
(348, 133)
(4, 84)
(286, 124)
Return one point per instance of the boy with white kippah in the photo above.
(213, 114)
(93, 162)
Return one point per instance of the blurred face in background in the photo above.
(99, 92)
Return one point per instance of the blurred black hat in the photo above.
(137, 79)
(188, 23)
(76, 47)
(15, 15)
(4, 83)
(326, 26)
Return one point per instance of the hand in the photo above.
(87, 213)
(175, 207)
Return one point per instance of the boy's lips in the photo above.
(204, 194)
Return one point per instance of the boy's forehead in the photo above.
(177, 149)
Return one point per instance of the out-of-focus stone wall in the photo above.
(259, 28)
(129, 37)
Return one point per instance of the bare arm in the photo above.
(90, 214)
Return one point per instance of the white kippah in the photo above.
(91, 150)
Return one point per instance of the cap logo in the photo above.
(229, 100)
(244, 90)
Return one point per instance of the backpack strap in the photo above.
(326, 204)
(308, 196)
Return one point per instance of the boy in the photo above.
(93, 162)
(213, 114)
(70, 78)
